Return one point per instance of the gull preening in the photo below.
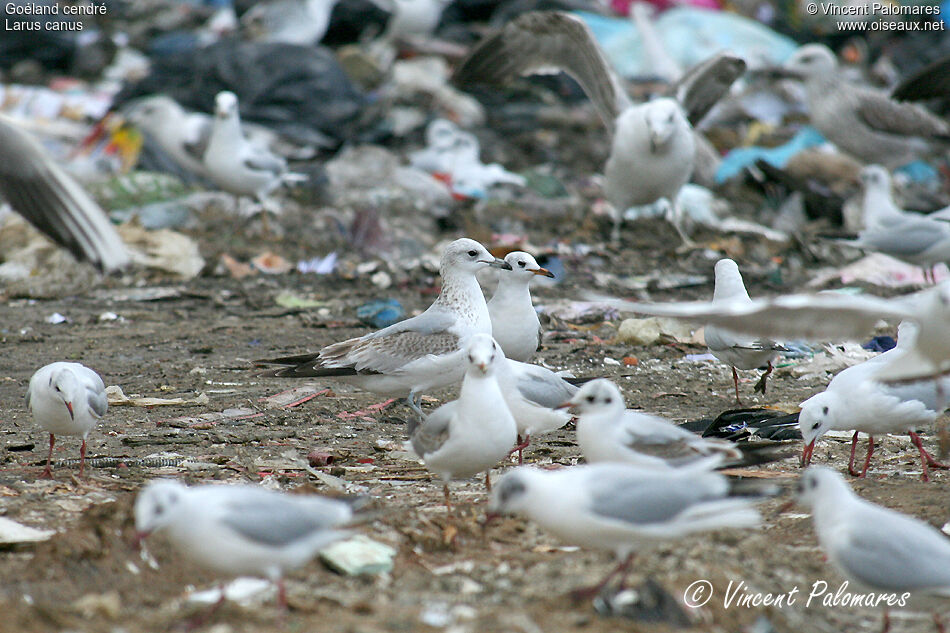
(855, 401)
(66, 399)
(413, 356)
(878, 548)
(514, 321)
(622, 508)
(609, 432)
(737, 350)
(866, 123)
(241, 529)
(470, 435)
(52, 201)
(652, 146)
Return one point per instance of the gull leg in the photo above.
(199, 620)
(415, 403)
(587, 593)
(938, 623)
(281, 593)
(488, 480)
(886, 622)
(674, 215)
(760, 386)
(448, 497)
(520, 446)
(48, 471)
(867, 459)
(926, 459)
(82, 456)
(854, 446)
(735, 381)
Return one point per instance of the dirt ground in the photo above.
(449, 574)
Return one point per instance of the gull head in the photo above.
(158, 505)
(811, 60)
(524, 267)
(483, 354)
(817, 481)
(817, 417)
(663, 118)
(465, 255)
(510, 494)
(729, 284)
(466, 148)
(597, 396)
(875, 178)
(152, 113)
(64, 384)
(441, 133)
(225, 105)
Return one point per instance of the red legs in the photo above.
(448, 497)
(867, 458)
(82, 456)
(854, 446)
(886, 623)
(587, 593)
(760, 386)
(520, 447)
(199, 620)
(48, 472)
(926, 459)
(488, 480)
(281, 593)
(735, 381)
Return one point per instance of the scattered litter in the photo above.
(320, 458)
(654, 330)
(56, 318)
(12, 533)
(106, 604)
(294, 397)
(118, 398)
(164, 250)
(358, 555)
(880, 270)
(318, 265)
(271, 264)
(110, 316)
(294, 301)
(381, 313)
(242, 590)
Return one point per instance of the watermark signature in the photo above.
(740, 596)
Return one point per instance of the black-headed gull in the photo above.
(241, 529)
(470, 435)
(66, 399)
(514, 321)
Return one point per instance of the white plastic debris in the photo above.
(359, 555)
(12, 533)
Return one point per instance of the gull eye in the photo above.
(815, 426)
(608, 400)
(521, 264)
(590, 398)
(812, 483)
(472, 253)
(824, 410)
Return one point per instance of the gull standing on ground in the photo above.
(652, 146)
(854, 400)
(866, 123)
(621, 508)
(66, 399)
(533, 395)
(609, 432)
(878, 548)
(514, 321)
(737, 350)
(235, 164)
(829, 316)
(467, 436)
(181, 134)
(43, 193)
(241, 529)
(416, 355)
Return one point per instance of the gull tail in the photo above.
(301, 366)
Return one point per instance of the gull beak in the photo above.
(565, 405)
(807, 452)
(497, 263)
(482, 367)
(69, 407)
(544, 272)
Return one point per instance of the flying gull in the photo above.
(39, 190)
(514, 321)
(66, 399)
(467, 436)
(416, 355)
(652, 146)
(866, 123)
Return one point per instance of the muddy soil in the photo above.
(450, 573)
